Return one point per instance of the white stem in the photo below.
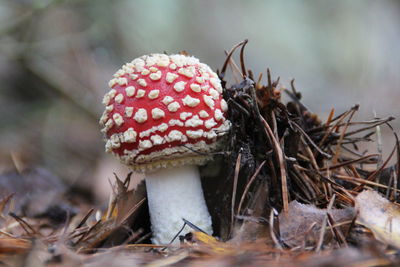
(173, 194)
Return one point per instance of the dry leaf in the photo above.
(301, 225)
(379, 215)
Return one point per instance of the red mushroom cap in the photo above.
(162, 110)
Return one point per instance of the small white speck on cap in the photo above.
(130, 136)
(155, 76)
(194, 122)
(224, 105)
(214, 94)
(122, 81)
(174, 106)
(103, 118)
(119, 73)
(203, 114)
(140, 115)
(128, 112)
(108, 146)
(112, 93)
(112, 82)
(128, 68)
(175, 135)
(210, 123)
(167, 99)
(205, 88)
(170, 77)
(179, 86)
(216, 83)
(162, 127)
(153, 69)
(130, 91)
(142, 82)
(173, 66)
(115, 141)
(118, 119)
(194, 134)
(190, 101)
(163, 60)
(119, 98)
(174, 122)
(145, 144)
(134, 76)
(157, 113)
(145, 72)
(179, 60)
(140, 93)
(145, 133)
(108, 125)
(109, 108)
(106, 99)
(200, 79)
(138, 62)
(157, 140)
(154, 94)
(184, 115)
(195, 87)
(218, 115)
(209, 101)
(189, 72)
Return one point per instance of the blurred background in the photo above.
(56, 57)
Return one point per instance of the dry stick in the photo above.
(223, 70)
(234, 68)
(336, 230)
(235, 180)
(23, 224)
(338, 145)
(244, 72)
(132, 210)
(310, 140)
(376, 172)
(361, 182)
(370, 127)
(331, 129)
(310, 154)
(246, 189)
(88, 232)
(3, 203)
(330, 116)
(278, 150)
(349, 162)
(84, 219)
(323, 225)
(271, 229)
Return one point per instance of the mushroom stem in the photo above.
(173, 194)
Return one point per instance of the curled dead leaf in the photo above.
(380, 215)
(301, 225)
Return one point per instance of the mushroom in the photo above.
(163, 116)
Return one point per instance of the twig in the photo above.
(323, 225)
(246, 189)
(234, 189)
(279, 152)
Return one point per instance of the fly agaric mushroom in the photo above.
(163, 117)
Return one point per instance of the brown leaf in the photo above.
(379, 215)
(301, 225)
